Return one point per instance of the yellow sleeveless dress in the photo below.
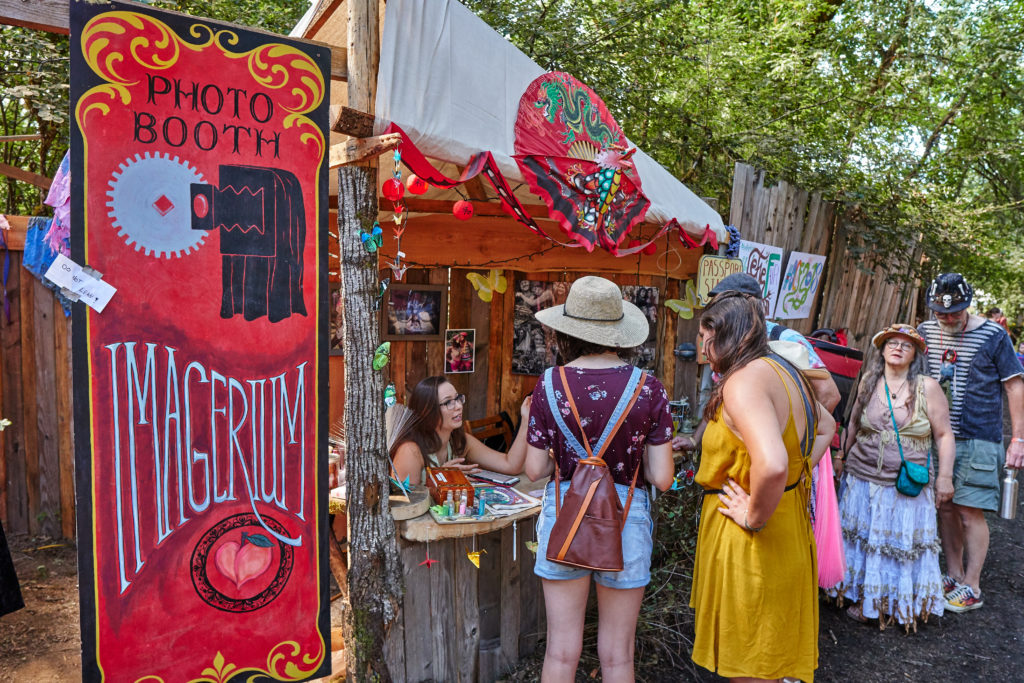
(755, 595)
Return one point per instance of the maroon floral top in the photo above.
(596, 393)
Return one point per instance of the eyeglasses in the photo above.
(896, 344)
(451, 403)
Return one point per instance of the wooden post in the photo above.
(374, 577)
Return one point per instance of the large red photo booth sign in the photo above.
(199, 192)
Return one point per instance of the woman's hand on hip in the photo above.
(735, 500)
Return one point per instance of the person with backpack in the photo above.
(755, 582)
(607, 427)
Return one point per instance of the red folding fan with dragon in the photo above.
(574, 156)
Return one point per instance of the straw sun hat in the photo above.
(594, 311)
(900, 329)
(797, 355)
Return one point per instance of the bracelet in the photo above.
(751, 528)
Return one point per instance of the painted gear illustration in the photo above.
(150, 204)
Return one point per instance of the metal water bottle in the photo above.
(1008, 507)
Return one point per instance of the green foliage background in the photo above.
(910, 112)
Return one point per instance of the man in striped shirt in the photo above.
(971, 358)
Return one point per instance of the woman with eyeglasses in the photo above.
(432, 435)
(891, 542)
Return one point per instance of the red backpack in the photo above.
(588, 524)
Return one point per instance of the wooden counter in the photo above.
(460, 623)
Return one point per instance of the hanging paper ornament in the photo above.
(651, 249)
(416, 185)
(390, 395)
(463, 210)
(486, 286)
(381, 356)
(372, 240)
(392, 189)
(429, 562)
(474, 556)
(531, 546)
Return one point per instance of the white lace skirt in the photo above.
(892, 552)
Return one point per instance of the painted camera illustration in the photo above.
(260, 216)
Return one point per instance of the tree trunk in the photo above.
(374, 576)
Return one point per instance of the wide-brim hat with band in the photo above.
(594, 311)
(900, 330)
(798, 357)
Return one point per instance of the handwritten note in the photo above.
(90, 290)
(799, 285)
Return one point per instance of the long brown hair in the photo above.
(740, 336)
(421, 426)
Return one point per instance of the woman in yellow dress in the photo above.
(755, 577)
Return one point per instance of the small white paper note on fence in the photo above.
(67, 274)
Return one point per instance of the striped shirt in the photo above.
(984, 360)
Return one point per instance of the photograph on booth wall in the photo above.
(646, 299)
(459, 351)
(533, 346)
(414, 312)
(337, 333)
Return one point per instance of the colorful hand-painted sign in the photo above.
(710, 271)
(799, 285)
(199, 191)
(764, 262)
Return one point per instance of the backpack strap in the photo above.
(632, 392)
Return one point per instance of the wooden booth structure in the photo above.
(460, 622)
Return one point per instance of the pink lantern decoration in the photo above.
(463, 210)
(416, 185)
(393, 189)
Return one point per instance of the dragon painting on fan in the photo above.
(576, 158)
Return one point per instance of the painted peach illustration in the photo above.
(245, 561)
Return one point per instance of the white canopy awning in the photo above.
(453, 85)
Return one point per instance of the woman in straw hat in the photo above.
(892, 549)
(755, 584)
(592, 329)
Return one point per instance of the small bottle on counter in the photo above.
(449, 505)
(462, 505)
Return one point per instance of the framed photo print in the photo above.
(414, 312)
(337, 340)
(533, 346)
(459, 351)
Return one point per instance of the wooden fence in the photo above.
(37, 463)
(854, 296)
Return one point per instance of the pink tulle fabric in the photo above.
(828, 532)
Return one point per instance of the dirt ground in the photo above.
(40, 643)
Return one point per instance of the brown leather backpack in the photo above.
(588, 524)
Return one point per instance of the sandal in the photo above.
(855, 613)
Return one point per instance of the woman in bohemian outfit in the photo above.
(430, 433)
(755, 582)
(892, 548)
(592, 329)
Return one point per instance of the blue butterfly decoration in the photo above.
(372, 240)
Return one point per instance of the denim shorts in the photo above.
(976, 474)
(637, 543)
